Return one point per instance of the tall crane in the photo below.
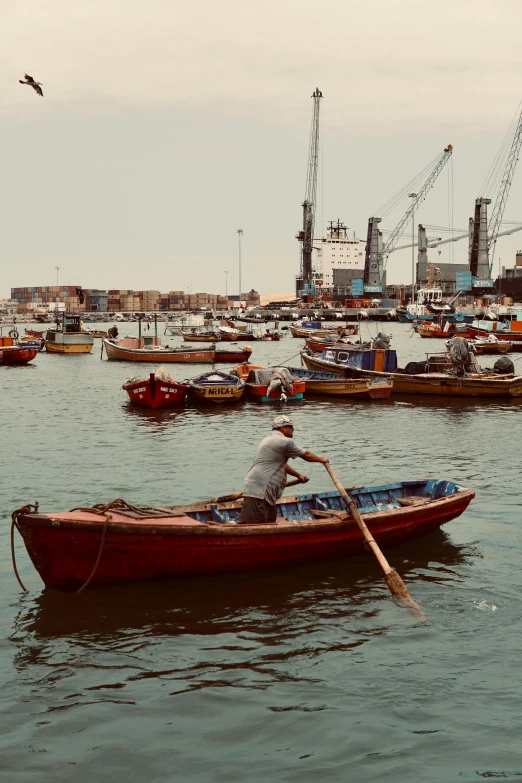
(306, 235)
(483, 235)
(376, 251)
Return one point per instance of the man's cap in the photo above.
(281, 421)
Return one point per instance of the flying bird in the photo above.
(31, 82)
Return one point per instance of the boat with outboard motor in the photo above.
(274, 384)
(455, 373)
(116, 543)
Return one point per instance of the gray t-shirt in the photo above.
(266, 478)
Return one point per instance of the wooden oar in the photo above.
(237, 495)
(395, 584)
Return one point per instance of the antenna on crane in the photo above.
(306, 235)
(376, 252)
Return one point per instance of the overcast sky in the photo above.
(166, 126)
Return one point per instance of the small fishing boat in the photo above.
(318, 344)
(243, 369)
(12, 353)
(69, 338)
(118, 543)
(330, 385)
(194, 336)
(143, 349)
(341, 361)
(481, 329)
(490, 346)
(227, 355)
(313, 329)
(35, 333)
(217, 387)
(274, 384)
(159, 390)
(441, 329)
(96, 333)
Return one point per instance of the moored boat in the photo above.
(139, 349)
(313, 329)
(117, 543)
(159, 390)
(217, 387)
(196, 336)
(232, 354)
(330, 385)
(12, 353)
(69, 339)
(437, 375)
(274, 384)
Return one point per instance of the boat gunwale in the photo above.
(397, 516)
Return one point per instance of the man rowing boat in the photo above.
(266, 479)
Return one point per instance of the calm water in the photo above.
(303, 674)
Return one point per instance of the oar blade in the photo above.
(398, 589)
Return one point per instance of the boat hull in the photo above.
(217, 394)
(259, 392)
(154, 393)
(67, 347)
(64, 547)
(357, 389)
(16, 354)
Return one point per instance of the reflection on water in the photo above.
(309, 672)
(189, 606)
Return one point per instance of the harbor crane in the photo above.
(306, 235)
(376, 251)
(483, 235)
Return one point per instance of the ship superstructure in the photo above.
(339, 257)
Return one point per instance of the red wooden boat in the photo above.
(502, 334)
(232, 354)
(118, 543)
(159, 390)
(12, 353)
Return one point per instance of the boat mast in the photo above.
(306, 235)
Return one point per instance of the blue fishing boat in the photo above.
(340, 361)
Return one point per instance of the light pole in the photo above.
(240, 234)
(412, 195)
(57, 270)
(226, 282)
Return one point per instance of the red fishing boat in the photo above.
(12, 353)
(159, 390)
(118, 543)
(232, 354)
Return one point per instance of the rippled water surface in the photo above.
(308, 673)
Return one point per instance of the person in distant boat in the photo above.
(113, 332)
(266, 479)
